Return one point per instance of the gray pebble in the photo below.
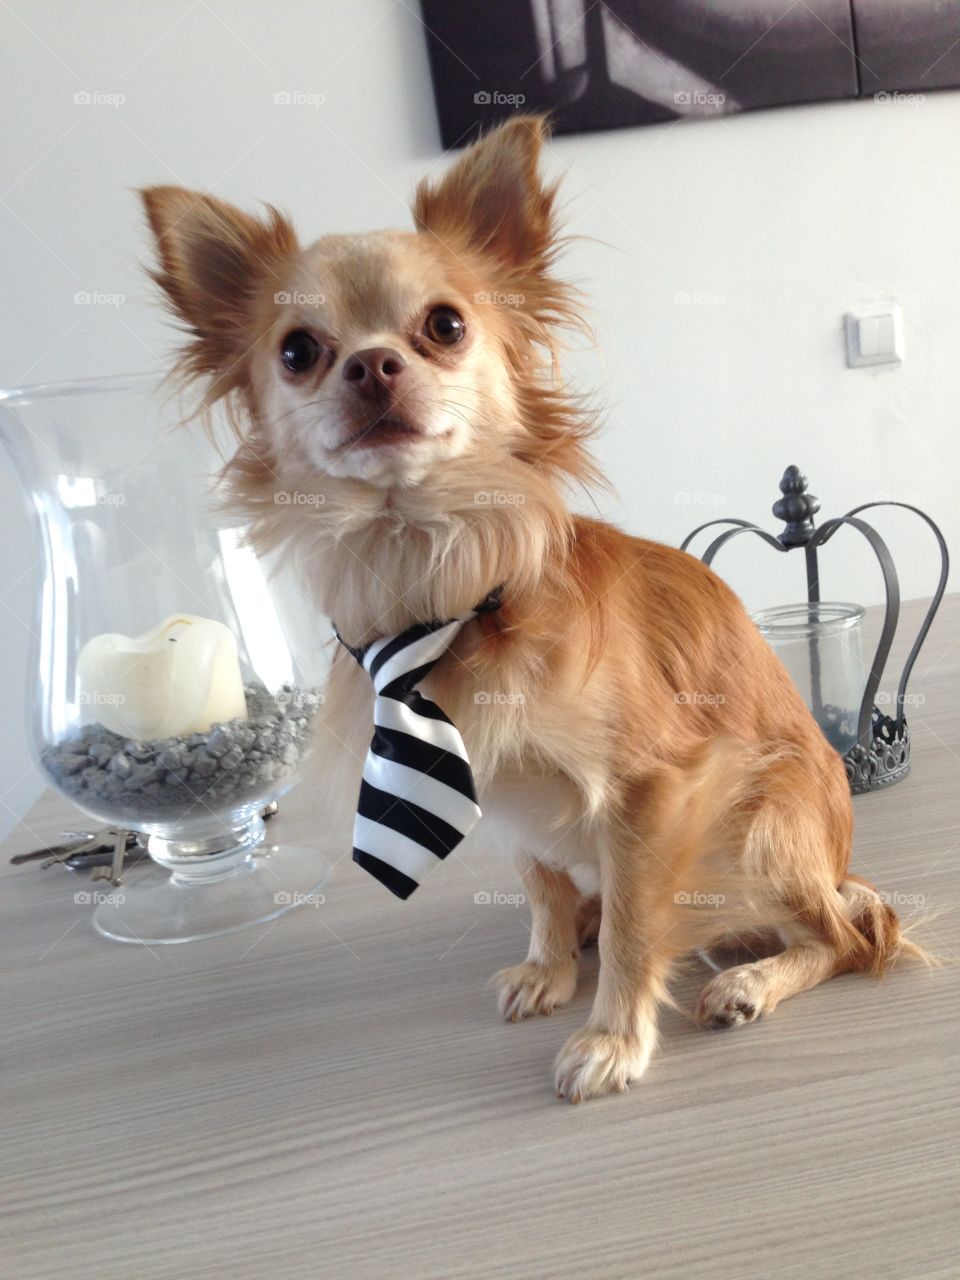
(232, 764)
(219, 742)
(121, 765)
(202, 764)
(230, 759)
(172, 758)
(144, 774)
(72, 762)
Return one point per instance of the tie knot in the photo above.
(397, 663)
(412, 652)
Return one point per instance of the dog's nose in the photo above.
(374, 372)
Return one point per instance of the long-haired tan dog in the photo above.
(635, 742)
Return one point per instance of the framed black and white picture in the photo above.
(603, 64)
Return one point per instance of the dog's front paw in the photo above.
(595, 1062)
(732, 998)
(529, 988)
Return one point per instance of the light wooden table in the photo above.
(333, 1095)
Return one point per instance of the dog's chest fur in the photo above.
(530, 816)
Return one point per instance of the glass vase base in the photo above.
(163, 906)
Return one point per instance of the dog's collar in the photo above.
(490, 603)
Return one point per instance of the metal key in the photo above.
(100, 857)
(119, 852)
(73, 842)
(66, 851)
(78, 844)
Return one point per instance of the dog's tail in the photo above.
(863, 928)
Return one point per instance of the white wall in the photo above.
(774, 224)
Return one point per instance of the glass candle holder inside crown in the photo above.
(821, 646)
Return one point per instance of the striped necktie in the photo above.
(417, 798)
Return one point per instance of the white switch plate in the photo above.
(874, 335)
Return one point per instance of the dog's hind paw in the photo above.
(732, 998)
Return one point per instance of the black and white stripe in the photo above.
(417, 799)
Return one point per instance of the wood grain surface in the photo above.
(332, 1095)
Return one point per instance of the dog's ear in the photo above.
(215, 265)
(493, 199)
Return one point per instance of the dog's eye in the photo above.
(299, 351)
(444, 325)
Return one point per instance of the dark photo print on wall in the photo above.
(603, 64)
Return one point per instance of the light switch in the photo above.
(874, 336)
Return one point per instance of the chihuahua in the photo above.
(645, 758)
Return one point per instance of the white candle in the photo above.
(181, 677)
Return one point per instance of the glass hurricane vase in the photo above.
(175, 672)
